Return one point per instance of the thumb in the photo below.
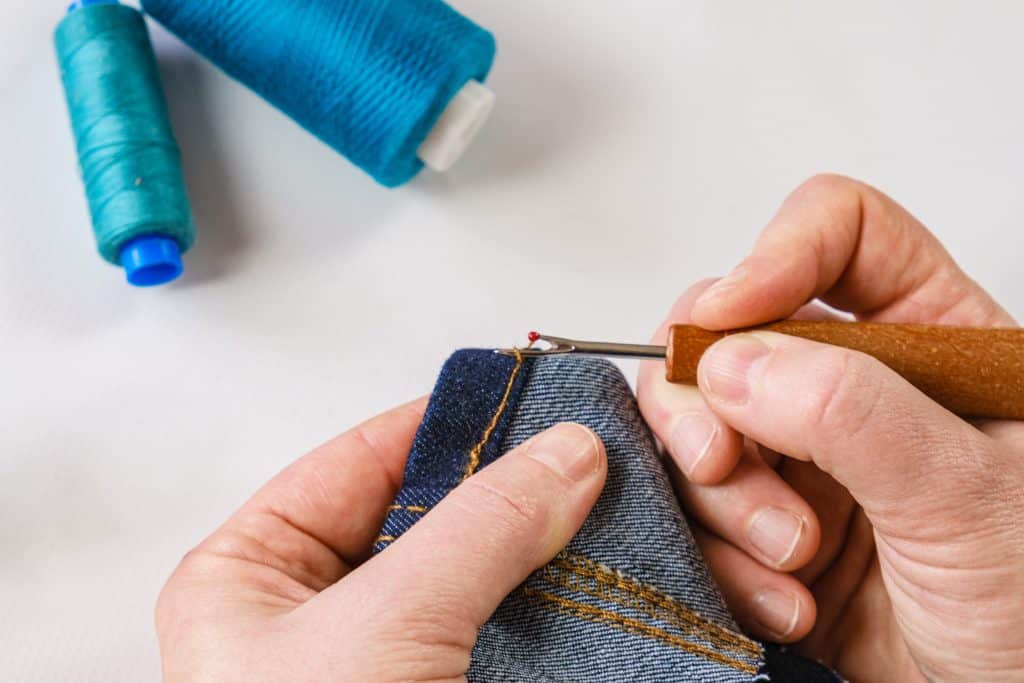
(907, 461)
(486, 537)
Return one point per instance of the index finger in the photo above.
(317, 518)
(859, 251)
(338, 494)
(301, 532)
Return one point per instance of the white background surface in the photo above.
(636, 147)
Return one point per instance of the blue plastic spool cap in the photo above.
(150, 260)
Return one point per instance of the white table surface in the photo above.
(632, 152)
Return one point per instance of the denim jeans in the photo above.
(630, 598)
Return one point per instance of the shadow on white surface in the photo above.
(221, 237)
(547, 111)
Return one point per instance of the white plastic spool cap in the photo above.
(461, 120)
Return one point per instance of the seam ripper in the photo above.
(972, 371)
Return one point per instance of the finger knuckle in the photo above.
(827, 183)
(168, 612)
(846, 394)
(443, 620)
(507, 504)
(434, 612)
(165, 611)
(231, 546)
(422, 640)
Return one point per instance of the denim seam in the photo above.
(475, 415)
(408, 508)
(474, 454)
(417, 509)
(636, 627)
(614, 586)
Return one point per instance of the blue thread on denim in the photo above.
(562, 624)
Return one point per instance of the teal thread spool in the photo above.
(130, 162)
(390, 84)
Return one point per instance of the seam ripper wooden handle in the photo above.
(972, 371)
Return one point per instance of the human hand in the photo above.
(838, 507)
(286, 590)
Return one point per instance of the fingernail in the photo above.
(729, 365)
(775, 533)
(691, 440)
(569, 449)
(735, 277)
(777, 612)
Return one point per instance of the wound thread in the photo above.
(368, 77)
(130, 162)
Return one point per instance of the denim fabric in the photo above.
(630, 597)
(466, 397)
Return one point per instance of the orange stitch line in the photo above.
(384, 539)
(647, 599)
(587, 567)
(474, 455)
(652, 611)
(634, 626)
(408, 508)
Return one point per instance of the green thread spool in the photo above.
(129, 160)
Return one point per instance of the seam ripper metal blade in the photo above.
(972, 371)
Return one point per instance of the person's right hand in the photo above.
(888, 538)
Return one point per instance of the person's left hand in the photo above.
(284, 591)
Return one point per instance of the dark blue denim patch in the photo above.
(783, 666)
(467, 396)
(630, 598)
